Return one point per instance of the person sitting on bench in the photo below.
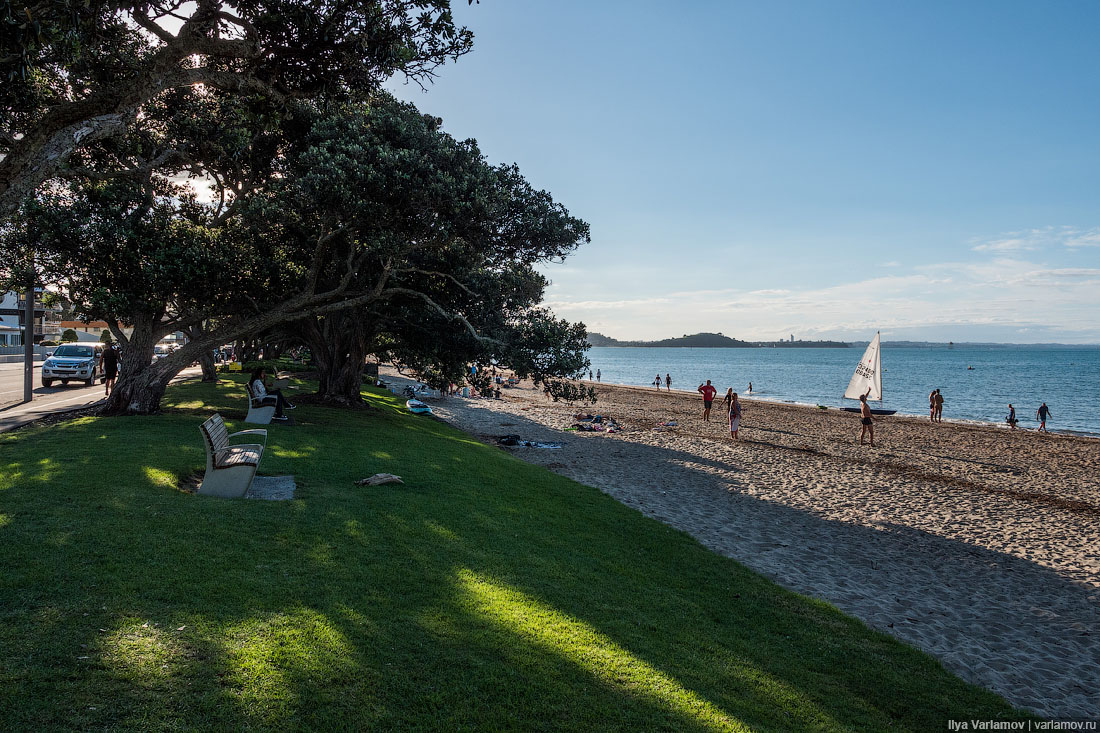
(268, 396)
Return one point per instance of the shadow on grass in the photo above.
(485, 593)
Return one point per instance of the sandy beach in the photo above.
(978, 545)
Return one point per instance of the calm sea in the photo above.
(1066, 378)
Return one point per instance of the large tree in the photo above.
(372, 209)
(74, 73)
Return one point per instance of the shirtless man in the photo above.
(866, 419)
(939, 406)
(708, 393)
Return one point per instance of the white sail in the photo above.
(868, 374)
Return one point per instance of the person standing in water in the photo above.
(708, 393)
(668, 382)
(750, 387)
(1041, 415)
(734, 415)
(597, 375)
(866, 419)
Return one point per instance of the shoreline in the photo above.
(973, 422)
(978, 545)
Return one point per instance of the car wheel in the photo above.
(90, 381)
(47, 382)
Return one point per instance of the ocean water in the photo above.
(1066, 378)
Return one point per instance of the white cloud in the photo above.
(1090, 238)
(1042, 238)
(1007, 245)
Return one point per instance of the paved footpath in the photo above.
(48, 400)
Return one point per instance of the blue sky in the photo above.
(823, 168)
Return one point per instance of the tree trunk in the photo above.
(141, 381)
(209, 371)
(339, 345)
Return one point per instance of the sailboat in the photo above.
(868, 376)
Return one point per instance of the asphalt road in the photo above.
(58, 398)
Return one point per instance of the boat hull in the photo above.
(418, 408)
(874, 410)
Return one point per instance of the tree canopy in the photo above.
(366, 213)
(77, 72)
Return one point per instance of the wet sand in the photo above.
(978, 545)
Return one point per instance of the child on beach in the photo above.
(734, 415)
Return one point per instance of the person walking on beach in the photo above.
(668, 382)
(597, 375)
(932, 405)
(750, 387)
(866, 419)
(708, 393)
(1041, 415)
(734, 415)
(657, 381)
(939, 406)
(1011, 419)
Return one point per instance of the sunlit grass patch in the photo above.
(161, 477)
(579, 643)
(143, 652)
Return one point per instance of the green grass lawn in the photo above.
(484, 594)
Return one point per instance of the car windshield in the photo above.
(73, 350)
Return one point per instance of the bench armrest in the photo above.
(255, 431)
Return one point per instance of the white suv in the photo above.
(72, 362)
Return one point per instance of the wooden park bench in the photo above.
(229, 468)
(258, 413)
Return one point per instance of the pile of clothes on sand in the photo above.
(595, 424)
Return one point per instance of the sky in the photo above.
(828, 169)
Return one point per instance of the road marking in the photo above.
(47, 405)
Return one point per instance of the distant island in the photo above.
(715, 341)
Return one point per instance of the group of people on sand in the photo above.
(1042, 415)
(668, 382)
(731, 403)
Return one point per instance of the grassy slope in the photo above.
(485, 593)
